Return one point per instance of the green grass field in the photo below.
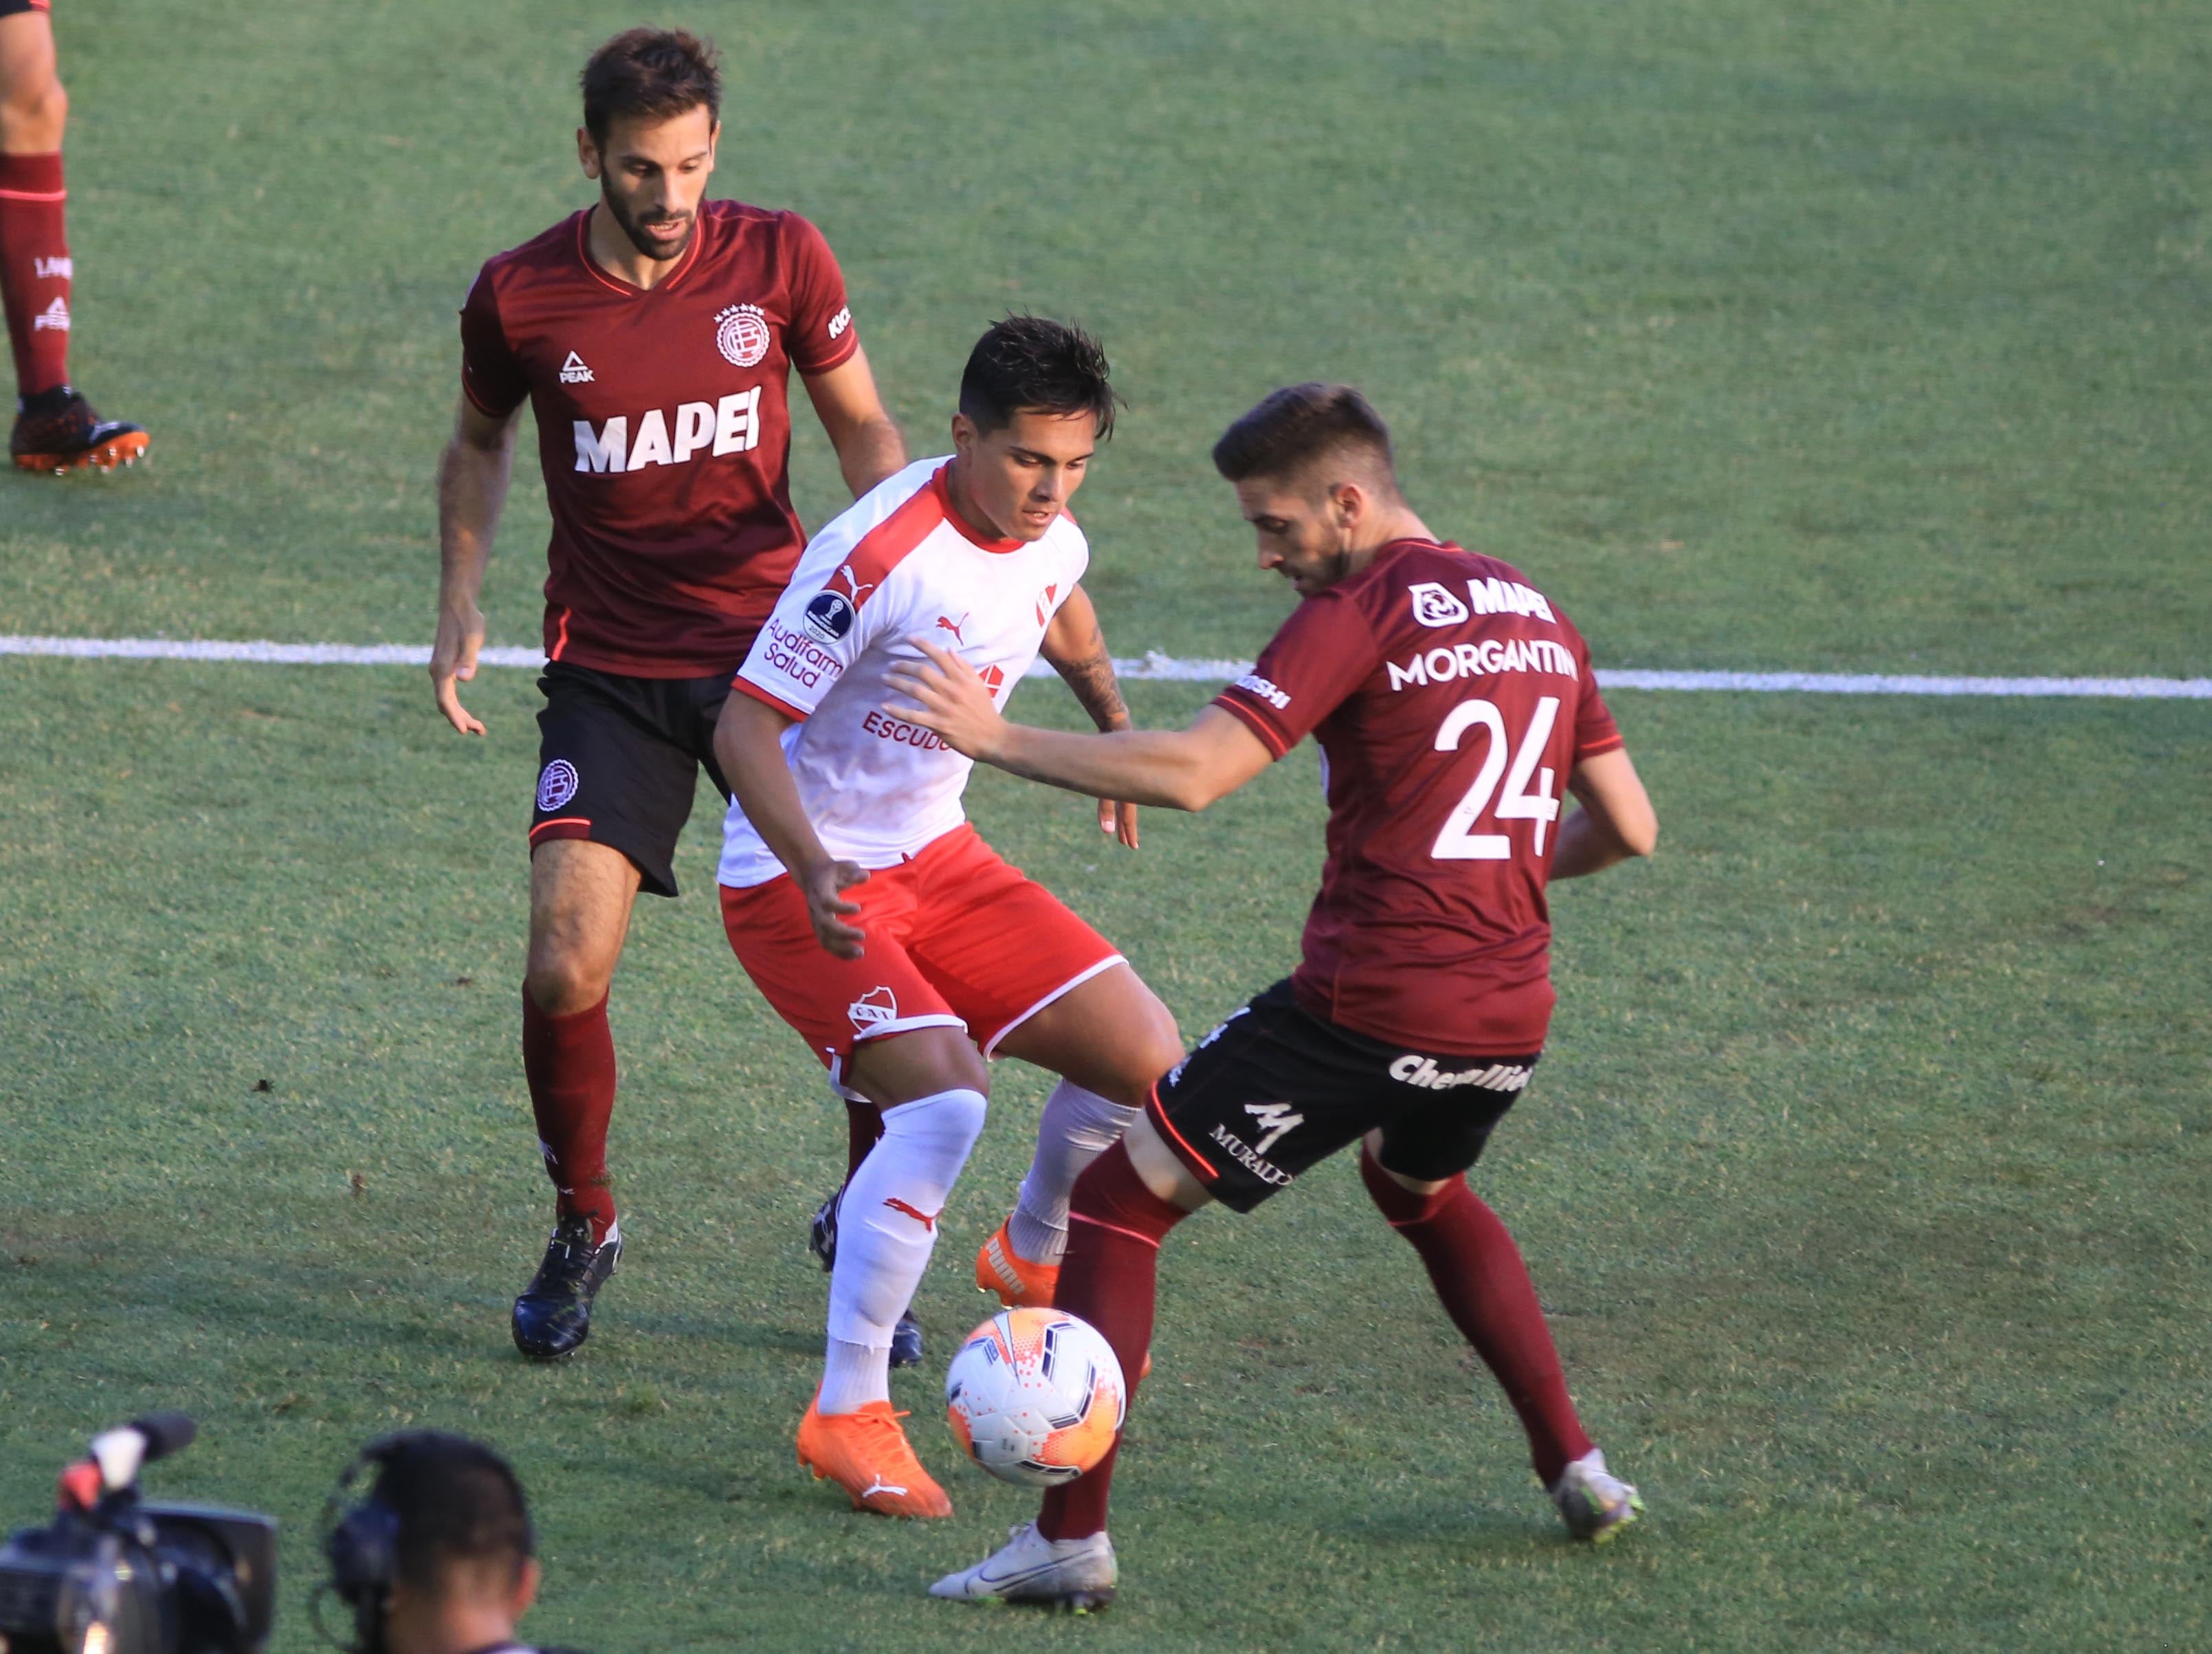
(1867, 1176)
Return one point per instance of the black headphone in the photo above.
(361, 1540)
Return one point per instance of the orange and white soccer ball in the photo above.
(1035, 1397)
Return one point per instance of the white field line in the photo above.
(1153, 667)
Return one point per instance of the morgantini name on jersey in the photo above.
(730, 426)
(1441, 665)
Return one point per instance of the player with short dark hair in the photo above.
(1451, 699)
(56, 428)
(440, 1558)
(653, 335)
(873, 917)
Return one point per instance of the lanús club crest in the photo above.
(556, 784)
(741, 335)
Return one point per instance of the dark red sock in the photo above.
(1107, 1277)
(1478, 1273)
(863, 1124)
(570, 1064)
(34, 269)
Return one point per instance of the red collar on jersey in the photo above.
(974, 535)
(607, 278)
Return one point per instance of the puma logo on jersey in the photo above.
(729, 426)
(953, 627)
(572, 371)
(926, 1220)
(853, 585)
(54, 316)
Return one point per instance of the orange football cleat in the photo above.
(867, 1454)
(1019, 1284)
(57, 431)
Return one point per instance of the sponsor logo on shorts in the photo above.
(1435, 605)
(1275, 1119)
(1220, 1028)
(1412, 1070)
(1274, 1176)
(556, 784)
(873, 1009)
(829, 615)
(741, 335)
(1277, 698)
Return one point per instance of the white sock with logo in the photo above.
(886, 1230)
(1078, 1126)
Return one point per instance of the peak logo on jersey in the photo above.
(54, 316)
(54, 269)
(1484, 659)
(873, 1009)
(1412, 1070)
(1435, 605)
(829, 615)
(572, 371)
(840, 322)
(1044, 602)
(741, 335)
(557, 785)
(1277, 698)
(945, 625)
(730, 426)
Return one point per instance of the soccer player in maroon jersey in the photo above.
(1451, 699)
(56, 428)
(653, 335)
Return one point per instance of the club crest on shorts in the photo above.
(873, 1009)
(741, 335)
(556, 784)
(829, 615)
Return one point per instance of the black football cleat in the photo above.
(553, 1316)
(57, 431)
(822, 1241)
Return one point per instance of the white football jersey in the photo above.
(898, 563)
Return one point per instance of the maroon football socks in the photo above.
(1108, 1277)
(1477, 1274)
(36, 269)
(570, 1064)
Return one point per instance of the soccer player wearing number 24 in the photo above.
(1450, 698)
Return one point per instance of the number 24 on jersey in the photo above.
(1458, 841)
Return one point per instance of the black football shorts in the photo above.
(9, 7)
(618, 761)
(1274, 1092)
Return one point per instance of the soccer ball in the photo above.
(1035, 1397)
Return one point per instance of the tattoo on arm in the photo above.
(1094, 685)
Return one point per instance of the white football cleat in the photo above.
(1594, 1502)
(1075, 1574)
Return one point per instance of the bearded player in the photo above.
(56, 428)
(1451, 699)
(653, 335)
(871, 914)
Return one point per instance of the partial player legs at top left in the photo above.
(56, 428)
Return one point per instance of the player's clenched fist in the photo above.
(948, 698)
(460, 635)
(826, 905)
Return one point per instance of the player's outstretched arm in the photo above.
(846, 401)
(1616, 821)
(472, 478)
(1179, 769)
(748, 746)
(1076, 646)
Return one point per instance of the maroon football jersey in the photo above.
(1451, 701)
(663, 427)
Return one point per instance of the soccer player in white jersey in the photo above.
(874, 918)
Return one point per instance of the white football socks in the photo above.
(886, 1229)
(1078, 1126)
